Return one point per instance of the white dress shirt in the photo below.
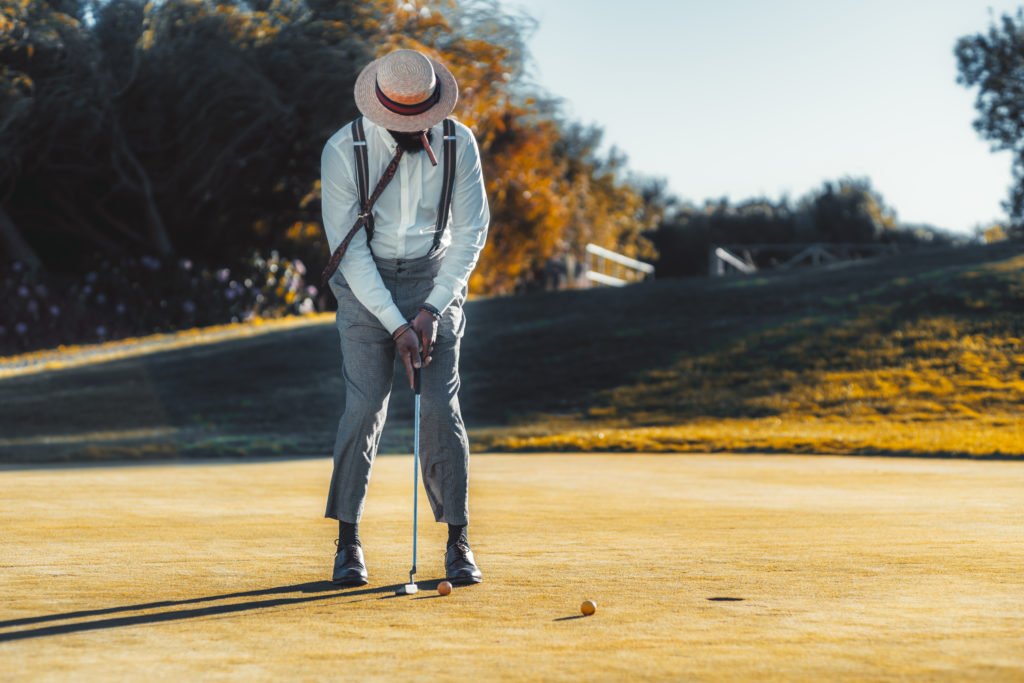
(405, 215)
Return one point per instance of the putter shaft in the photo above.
(415, 470)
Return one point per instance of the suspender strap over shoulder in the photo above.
(362, 172)
(364, 220)
(447, 184)
(366, 202)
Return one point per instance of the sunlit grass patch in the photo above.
(952, 437)
(83, 354)
(932, 365)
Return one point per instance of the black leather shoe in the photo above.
(460, 568)
(349, 566)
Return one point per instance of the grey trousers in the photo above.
(368, 364)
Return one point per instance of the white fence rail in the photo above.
(606, 267)
(744, 258)
(721, 257)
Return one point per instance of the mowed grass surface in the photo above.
(703, 568)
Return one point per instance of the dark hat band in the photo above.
(408, 109)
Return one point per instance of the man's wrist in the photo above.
(401, 330)
(432, 311)
(440, 298)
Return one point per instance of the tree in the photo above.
(183, 126)
(845, 211)
(230, 105)
(194, 128)
(50, 128)
(849, 211)
(994, 62)
(551, 191)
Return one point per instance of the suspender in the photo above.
(365, 214)
(362, 173)
(447, 175)
(448, 183)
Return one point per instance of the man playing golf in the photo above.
(403, 253)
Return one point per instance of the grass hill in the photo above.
(917, 354)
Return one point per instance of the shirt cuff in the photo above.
(392, 319)
(440, 297)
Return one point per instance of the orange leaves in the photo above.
(548, 195)
(245, 27)
(311, 196)
(526, 185)
(301, 232)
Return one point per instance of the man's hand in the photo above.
(426, 329)
(408, 347)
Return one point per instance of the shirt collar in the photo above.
(382, 134)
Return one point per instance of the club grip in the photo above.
(416, 380)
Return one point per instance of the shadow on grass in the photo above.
(324, 590)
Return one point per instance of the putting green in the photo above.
(702, 567)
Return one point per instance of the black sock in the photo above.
(348, 534)
(457, 534)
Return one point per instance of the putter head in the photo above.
(407, 589)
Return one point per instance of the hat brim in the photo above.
(370, 106)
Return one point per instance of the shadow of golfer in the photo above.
(324, 590)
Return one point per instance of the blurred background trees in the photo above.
(994, 63)
(192, 128)
(848, 211)
(175, 129)
(180, 140)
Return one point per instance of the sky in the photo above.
(747, 98)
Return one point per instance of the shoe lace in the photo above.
(353, 556)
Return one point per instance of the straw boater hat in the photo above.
(406, 91)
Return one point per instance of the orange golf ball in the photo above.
(444, 588)
(588, 607)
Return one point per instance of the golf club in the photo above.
(411, 587)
